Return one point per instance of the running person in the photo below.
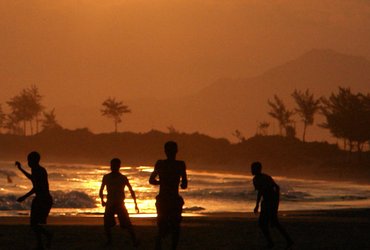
(168, 174)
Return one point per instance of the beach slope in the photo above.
(335, 229)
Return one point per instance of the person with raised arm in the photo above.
(42, 202)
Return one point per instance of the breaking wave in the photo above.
(74, 199)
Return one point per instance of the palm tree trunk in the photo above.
(31, 127)
(304, 132)
(350, 145)
(24, 127)
(359, 151)
(115, 126)
(37, 124)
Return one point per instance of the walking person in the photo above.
(115, 202)
(269, 192)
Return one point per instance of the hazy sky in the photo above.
(82, 51)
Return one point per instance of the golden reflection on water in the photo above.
(146, 206)
(147, 169)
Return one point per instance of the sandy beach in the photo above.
(335, 229)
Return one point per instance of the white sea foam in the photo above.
(75, 190)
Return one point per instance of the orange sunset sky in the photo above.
(149, 53)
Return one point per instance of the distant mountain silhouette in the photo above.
(230, 104)
(241, 103)
(320, 70)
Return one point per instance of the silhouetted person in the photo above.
(116, 183)
(269, 191)
(169, 203)
(42, 202)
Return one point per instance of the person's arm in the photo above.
(184, 178)
(259, 195)
(101, 194)
(28, 175)
(133, 196)
(276, 186)
(22, 198)
(153, 177)
(257, 202)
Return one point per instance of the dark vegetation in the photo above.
(281, 155)
(346, 116)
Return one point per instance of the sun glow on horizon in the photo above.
(93, 180)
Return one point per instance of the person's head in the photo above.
(170, 148)
(256, 168)
(33, 159)
(115, 164)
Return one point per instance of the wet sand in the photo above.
(335, 229)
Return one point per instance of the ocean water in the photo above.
(75, 190)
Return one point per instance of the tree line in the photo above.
(28, 114)
(346, 114)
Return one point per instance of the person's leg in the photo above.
(108, 234)
(275, 222)
(162, 225)
(266, 232)
(158, 242)
(34, 221)
(131, 231)
(37, 231)
(125, 223)
(284, 233)
(175, 235)
(48, 235)
(109, 222)
(45, 213)
(176, 220)
(263, 222)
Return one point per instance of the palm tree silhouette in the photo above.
(115, 110)
(307, 107)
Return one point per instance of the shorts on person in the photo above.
(40, 209)
(169, 210)
(269, 212)
(116, 208)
